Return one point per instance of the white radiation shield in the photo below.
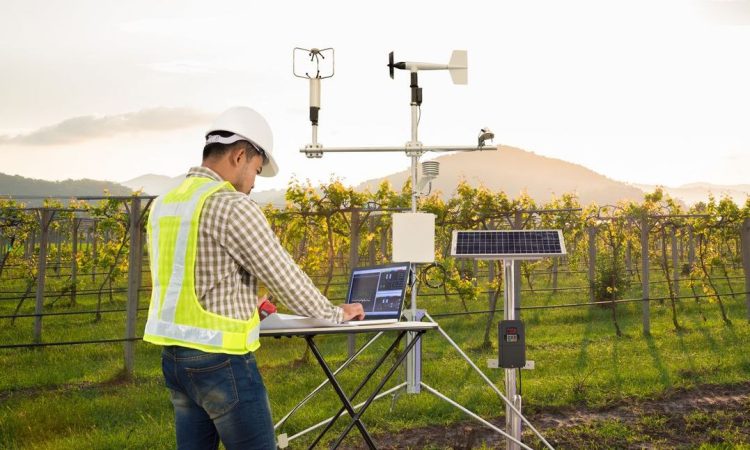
(414, 237)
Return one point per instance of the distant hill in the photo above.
(159, 184)
(698, 192)
(513, 170)
(15, 185)
(276, 197)
(152, 184)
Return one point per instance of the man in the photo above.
(210, 245)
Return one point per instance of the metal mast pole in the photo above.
(512, 420)
(414, 149)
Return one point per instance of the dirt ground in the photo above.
(678, 419)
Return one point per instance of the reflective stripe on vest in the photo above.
(175, 315)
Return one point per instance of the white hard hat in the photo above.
(248, 125)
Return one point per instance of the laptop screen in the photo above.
(380, 290)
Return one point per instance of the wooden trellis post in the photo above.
(555, 268)
(45, 218)
(591, 231)
(353, 262)
(93, 252)
(681, 243)
(354, 239)
(629, 258)
(134, 276)
(30, 244)
(384, 243)
(58, 245)
(74, 261)
(143, 254)
(645, 275)
(371, 243)
(745, 235)
(675, 264)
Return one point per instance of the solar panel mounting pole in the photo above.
(510, 247)
(512, 420)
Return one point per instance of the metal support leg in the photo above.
(356, 407)
(347, 401)
(409, 346)
(340, 393)
(414, 360)
(362, 384)
(490, 383)
(437, 394)
(326, 381)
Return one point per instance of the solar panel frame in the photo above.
(507, 244)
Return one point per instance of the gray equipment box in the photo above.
(512, 344)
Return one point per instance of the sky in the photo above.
(652, 92)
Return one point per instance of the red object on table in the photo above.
(266, 308)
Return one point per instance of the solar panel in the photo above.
(508, 244)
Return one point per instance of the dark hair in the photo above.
(217, 150)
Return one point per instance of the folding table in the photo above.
(401, 329)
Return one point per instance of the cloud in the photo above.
(84, 128)
(184, 67)
(170, 26)
(726, 12)
(205, 67)
(736, 157)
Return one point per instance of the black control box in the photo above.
(512, 344)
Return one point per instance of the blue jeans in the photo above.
(217, 397)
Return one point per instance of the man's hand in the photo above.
(353, 311)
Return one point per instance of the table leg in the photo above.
(362, 384)
(356, 417)
(340, 392)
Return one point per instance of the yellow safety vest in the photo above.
(175, 316)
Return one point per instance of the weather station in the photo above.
(413, 232)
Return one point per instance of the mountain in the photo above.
(15, 186)
(509, 169)
(698, 192)
(152, 184)
(513, 170)
(277, 197)
(159, 184)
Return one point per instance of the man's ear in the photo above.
(238, 154)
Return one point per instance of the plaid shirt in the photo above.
(236, 249)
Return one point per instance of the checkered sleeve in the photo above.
(253, 244)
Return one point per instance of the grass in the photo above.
(75, 397)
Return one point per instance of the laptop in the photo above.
(380, 290)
